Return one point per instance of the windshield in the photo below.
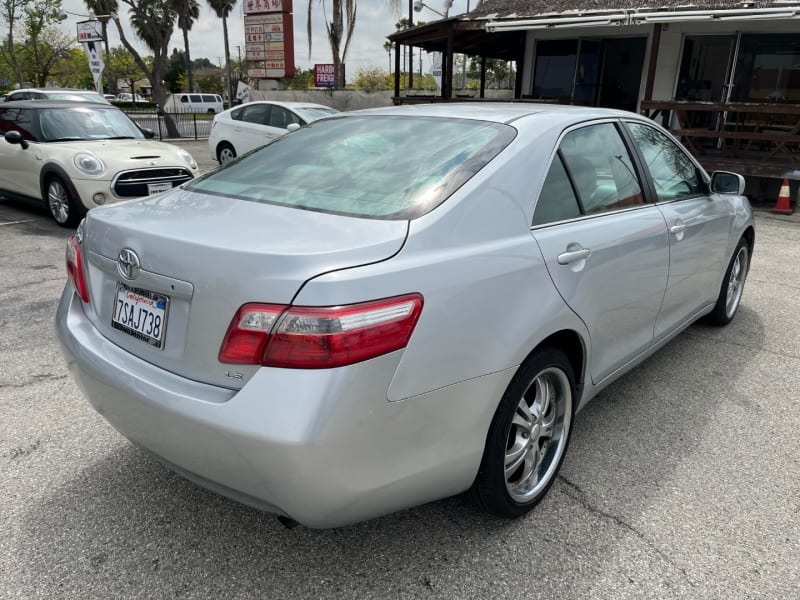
(383, 167)
(312, 113)
(84, 123)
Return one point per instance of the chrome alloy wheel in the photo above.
(538, 434)
(736, 281)
(58, 200)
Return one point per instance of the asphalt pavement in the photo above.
(682, 480)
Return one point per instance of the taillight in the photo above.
(75, 270)
(304, 337)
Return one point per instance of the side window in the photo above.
(208, 99)
(255, 113)
(185, 99)
(557, 200)
(674, 174)
(601, 169)
(196, 98)
(282, 118)
(236, 115)
(18, 119)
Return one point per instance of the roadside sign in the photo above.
(90, 31)
(269, 38)
(324, 75)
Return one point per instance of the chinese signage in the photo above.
(324, 76)
(269, 38)
(90, 31)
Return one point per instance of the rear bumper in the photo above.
(323, 447)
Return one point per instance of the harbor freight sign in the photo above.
(324, 76)
(269, 39)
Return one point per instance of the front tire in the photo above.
(730, 293)
(65, 209)
(225, 153)
(528, 437)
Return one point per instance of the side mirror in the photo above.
(15, 137)
(293, 127)
(148, 133)
(725, 182)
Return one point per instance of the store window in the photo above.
(768, 68)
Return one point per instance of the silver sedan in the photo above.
(392, 306)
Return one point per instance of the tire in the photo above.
(65, 209)
(730, 293)
(225, 153)
(546, 377)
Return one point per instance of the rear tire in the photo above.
(65, 209)
(528, 437)
(225, 153)
(730, 293)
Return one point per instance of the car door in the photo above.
(605, 246)
(698, 224)
(280, 118)
(250, 131)
(19, 167)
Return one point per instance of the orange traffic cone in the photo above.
(783, 206)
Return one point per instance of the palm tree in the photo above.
(153, 21)
(188, 12)
(223, 9)
(340, 28)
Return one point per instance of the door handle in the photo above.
(237, 129)
(574, 256)
(676, 229)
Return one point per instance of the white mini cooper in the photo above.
(76, 156)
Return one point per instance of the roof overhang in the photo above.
(640, 17)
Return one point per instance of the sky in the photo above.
(374, 21)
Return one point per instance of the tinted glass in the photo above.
(364, 166)
(18, 119)
(674, 174)
(282, 118)
(196, 98)
(601, 168)
(184, 99)
(236, 115)
(255, 113)
(208, 99)
(557, 200)
(554, 70)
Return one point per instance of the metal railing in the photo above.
(190, 125)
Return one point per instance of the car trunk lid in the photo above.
(204, 256)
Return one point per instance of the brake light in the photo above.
(303, 337)
(75, 270)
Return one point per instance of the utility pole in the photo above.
(410, 48)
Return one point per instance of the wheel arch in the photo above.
(749, 234)
(222, 144)
(51, 170)
(572, 344)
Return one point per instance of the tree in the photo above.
(153, 21)
(122, 66)
(44, 43)
(11, 11)
(499, 73)
(223, 8)
(340, 31)
(303, 79)
(188, 12)
(371, 79)
(175, 78)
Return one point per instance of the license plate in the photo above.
(157, 188)
(141, 313)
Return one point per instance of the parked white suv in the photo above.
(252, 125)
(194, 103)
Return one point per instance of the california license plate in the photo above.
(141, 313)
(157, 188)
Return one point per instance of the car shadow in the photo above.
(126, 526)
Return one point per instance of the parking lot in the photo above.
(682, 479)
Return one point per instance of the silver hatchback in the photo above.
(392, 306)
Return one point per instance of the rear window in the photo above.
(381, 167)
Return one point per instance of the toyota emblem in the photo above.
(128, 264)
